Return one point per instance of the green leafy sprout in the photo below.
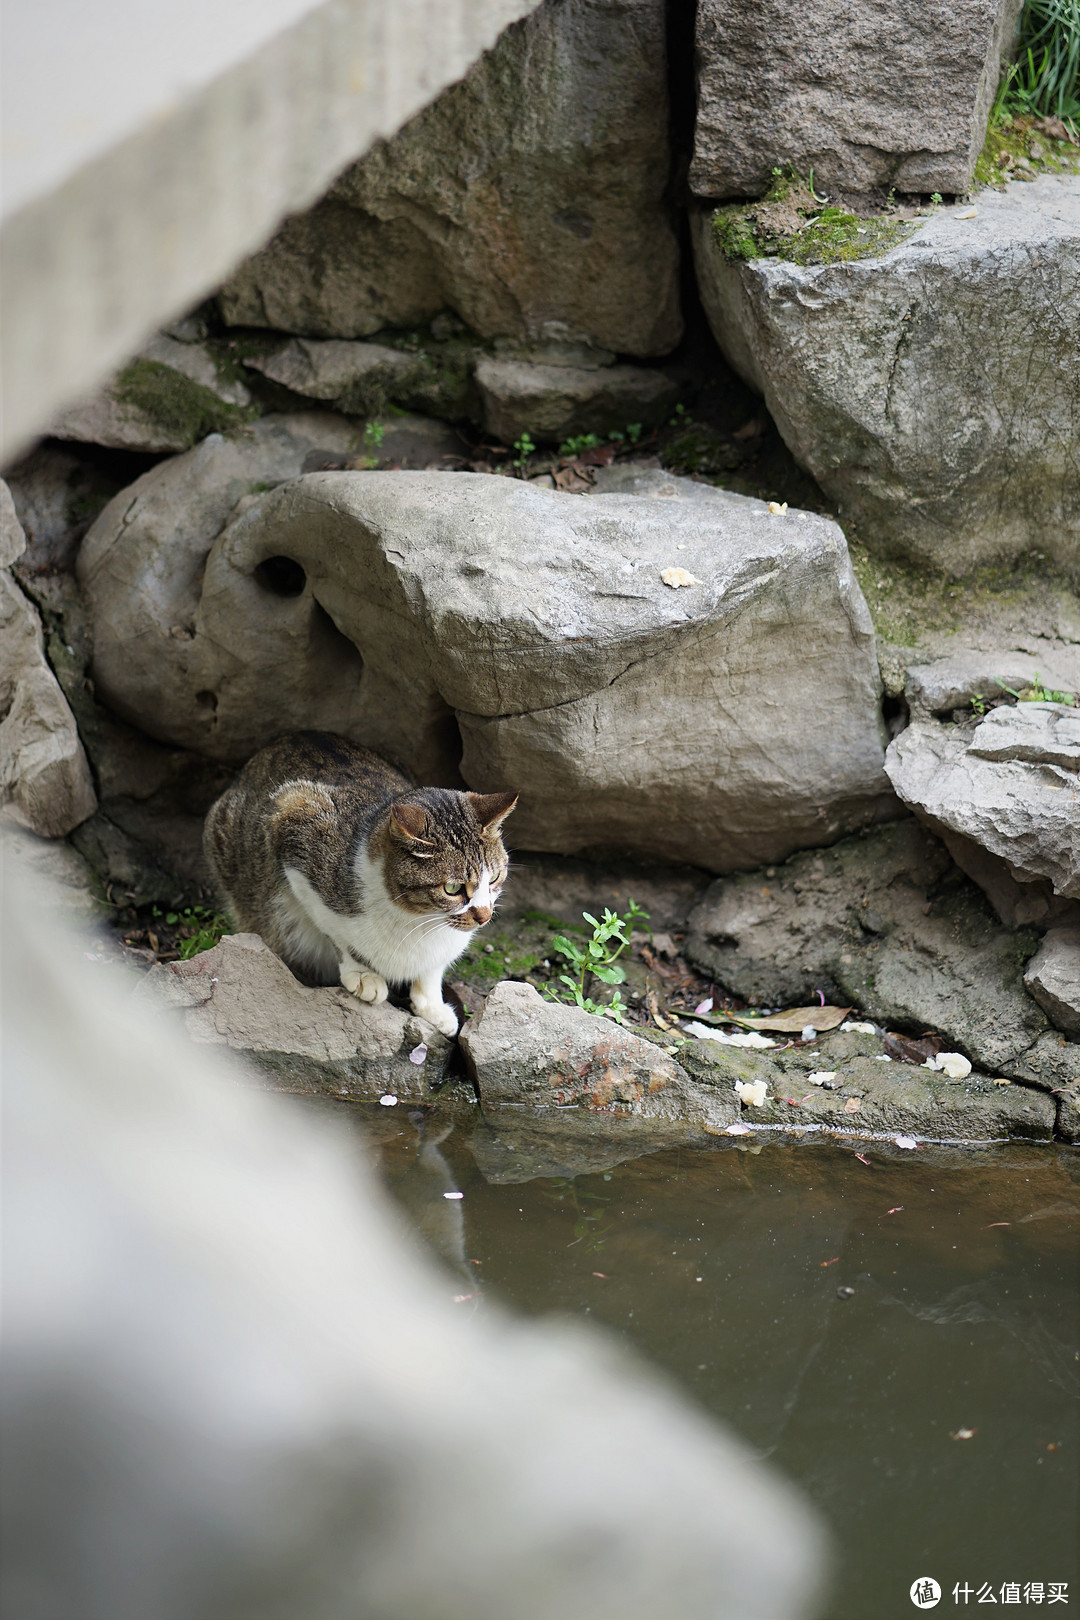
(1036, 692)
(525, 448)
(202, 928)
(595, 958)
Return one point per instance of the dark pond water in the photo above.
(901, 1336)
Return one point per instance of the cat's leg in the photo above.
(427, 1002)
(362, 981)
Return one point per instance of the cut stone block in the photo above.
(551, 402)
(864, 95)
(480, 628)
(529, 199)
(240, 995)
(934, 392)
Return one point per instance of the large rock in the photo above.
(480, 628)
(523, 1050)
(44, 774)
(529, 199)
(1053, 978)
(933, 392)
(167, 398)
(864, 95)
(357, 377)
(883, 922)
(240, 995)
(1009, 784)
(551, 402)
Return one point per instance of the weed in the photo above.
(578, 444)
(373, 436)
(1036, 692)
(201, 928)
(979, 704)
(595, 958)
(525, 448)
(1045, 78)
(634, 431)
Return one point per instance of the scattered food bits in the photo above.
(853, 1105)
(845, 1292)
(834, 1261)
(970, 214)
(954, 1064)
(737, 1129)
(752, 1092)
(963, 1434)
(778, 508)
(808, 1033)
(675, 577)
(897, 1209)
(417, 1055)
(850, 1027)
(907, 1142)
(453, 1195)
(819, 1077)
(388, 1101)
(883, 1057)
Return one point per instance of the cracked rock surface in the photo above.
(240, 995)
(1053, 978)
(483, 629)
(934, 392)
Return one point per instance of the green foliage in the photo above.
(595, 958)
(525, 448)
(199, 928)
(1014, 149)
(578, 444)
(373, 436)
(1036, 692)
(979, 704)
(828, 236)
(1044, 81)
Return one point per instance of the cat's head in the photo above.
(444, 853)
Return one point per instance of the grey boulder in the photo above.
(1009, 785)
(885, 923)
(933, 392)
(44, 775)
(353, 377)
(529, 199)
(167, 398)
(1053, 978)
(523, 1050)
(552, 402)
(241, 996)
(684, 679)
(864, 95)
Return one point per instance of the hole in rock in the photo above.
(894, 711)
(281, 576)
(207, 700)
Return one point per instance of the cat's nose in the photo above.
(481, 913)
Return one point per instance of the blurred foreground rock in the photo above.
(529, 199)
(933, 392)
(240, 995)
(723, 721)
(863, 96)
(231, 1385)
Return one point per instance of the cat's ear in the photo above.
(408, 824)
(492, 809)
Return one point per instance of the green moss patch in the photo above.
(184, 409)
(791, 222)
(1021, 148)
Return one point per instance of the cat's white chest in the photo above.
(399, 945)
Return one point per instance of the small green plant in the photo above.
(979, 704)
(373, 436)
(200, 928)
(634, 431)
(578, 444)
(525, 448)
(595, 958)
(1036, 692)
(680, 416)
(936, 199)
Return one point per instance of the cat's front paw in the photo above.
(365, 985)
(438, 1013)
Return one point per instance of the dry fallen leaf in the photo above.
(675, 577)
(794, 1021)
(853, 1105)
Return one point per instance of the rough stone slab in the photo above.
(867, 96)
(356, 377)
(130, 195)
(1053, 978)
(12, 537)
(872, 1096)
(522, 1049)
(934, 393)
(1030, 734)
(950, 683)
(1019, 905)
(1024, 811)
(171, 395)
(633, 716)
(552, 402)
(57, 493)
(240, 995)
(44, 775)
(882, 922)
(529, 199)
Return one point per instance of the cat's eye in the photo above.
(451, 887)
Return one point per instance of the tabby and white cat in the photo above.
(351, 873)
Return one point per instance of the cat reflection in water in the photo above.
(351, 873)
